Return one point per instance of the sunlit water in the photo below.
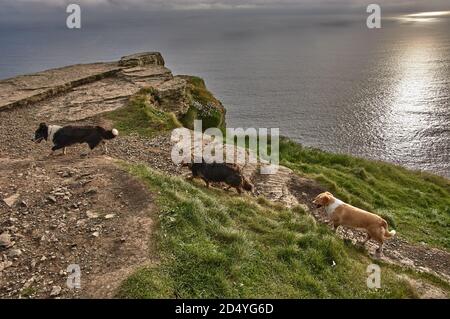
(324, 81)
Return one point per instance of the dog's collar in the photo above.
(52, 129)
(330, 208)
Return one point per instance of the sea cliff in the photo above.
(138, 228)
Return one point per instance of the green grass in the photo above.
(198, 90)
(214, 244)
(416, 204)
(203, 106)
(140, 116)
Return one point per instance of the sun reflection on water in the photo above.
(414, 101)
(432, 16)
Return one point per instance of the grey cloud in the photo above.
(204, 4)
(37, 12)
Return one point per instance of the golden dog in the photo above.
(344, 214)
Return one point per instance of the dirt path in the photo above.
(69, 211)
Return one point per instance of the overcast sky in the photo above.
(21, 11)
(218, 4)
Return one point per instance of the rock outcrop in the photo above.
(84, 90)
(142, 59)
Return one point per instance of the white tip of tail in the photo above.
(392, 232)
(115, 132)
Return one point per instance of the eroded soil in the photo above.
(69, 210)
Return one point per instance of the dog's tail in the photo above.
(110, 134)
(387, 234)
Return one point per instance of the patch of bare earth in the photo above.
(68, 210)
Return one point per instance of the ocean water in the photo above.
(325, 80)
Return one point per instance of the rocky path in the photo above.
(68, 211)
(76, 210)
(28, 89)
(64, 210)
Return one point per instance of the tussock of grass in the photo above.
(203, 106)
(214, 244)
(140, 116)
(417, 204)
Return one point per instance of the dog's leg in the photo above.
(54, 149)
(92, 145)
(366, 239)
(105, 148)
(64, 150)
(88, 153)
(334, 226)
(379, 251)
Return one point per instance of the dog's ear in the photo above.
(327, 198)
(42, 125)
(323, 198)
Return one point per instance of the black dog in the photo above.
(61, 137)
(221, 172)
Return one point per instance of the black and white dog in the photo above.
(62, 137)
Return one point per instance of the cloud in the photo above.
(224, 4)
(22, 12)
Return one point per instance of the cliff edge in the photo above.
(124, 216)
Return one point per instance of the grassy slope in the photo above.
(213, 244)
(417, 204)
(143, 117)
(140, 116)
